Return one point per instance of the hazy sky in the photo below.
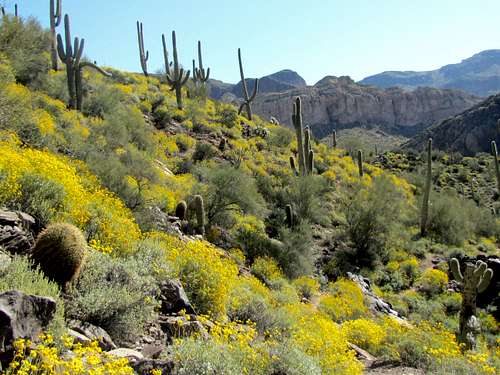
(314, 38)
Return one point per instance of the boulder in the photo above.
(16, 234)
(130, 354)
(145, 366)
(182, 326)
(377, 304)
(173, 298)
(22, 316)
(93, 333)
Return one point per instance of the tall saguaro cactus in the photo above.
(247, 99)
(304, 144)
(424, 215)
(55, 21)
(360, 163)
(334, 139)
(474, 280)
(176, 76)
(494, 151)
(143, 54)
(200, 73)
(71, 56)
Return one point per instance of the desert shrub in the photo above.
(351, 292)
(306, 286)
(227, 115)
(26, 44)
(205, 274)
(432, 282)
(280, 137)
(364, 333)
(296, 255)
(184, 142)
(373, 216)
(290, 360)
(21, 274)
(6, 72)
(104, 98)
(128, 281)
(203, 151)
(266, 269)
(304, 194)
(230, 191)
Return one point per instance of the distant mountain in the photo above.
(339, 102)
(277, 82)
(469, 132)
(478, 75)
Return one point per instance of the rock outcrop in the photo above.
(16, 228)
(477, 75)
(341, 103)
(22, 316)
(469, 132)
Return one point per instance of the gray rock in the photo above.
(22, 316)
(182, 326)
(15, 231)
(173, 298)
(144, 367)
(376, 303)
(94, 333)
(130, 354)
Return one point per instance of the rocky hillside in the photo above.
(342, 103)
(469, 132)
(477, 75)
(277, 82)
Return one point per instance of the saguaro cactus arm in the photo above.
(176, 77)
(247, 99)
(167, 63)
(143, 54)
(55, 21)
(455, 269)
(200, 73)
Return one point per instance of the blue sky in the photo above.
(314, 38)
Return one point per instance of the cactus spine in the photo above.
(71, 56)
(360, 163)
(55, 21)
(247, 99)
(474, 280)
(176, 76)
(200, 73)
(427, 191)
(59, 251)
(143, 54)
(494, 151)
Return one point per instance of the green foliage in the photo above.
(26, 44)
(226, 115)
(280, 137)
(59, 251)
(132, 286)
(22, 275)
(374, 215)
(296, 256)
(230, 191)
(203, 151)
(304, 193)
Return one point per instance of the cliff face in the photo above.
(469, 132)
(341, 103)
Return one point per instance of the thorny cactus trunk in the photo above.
(55, 21)
(494, 151)
(304, 143)
(474, 280)
(143, 54)
(247, 99)
(360, 163)
(176, 76)
(427, 191)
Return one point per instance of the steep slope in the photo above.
(477, 75)
(342, 103)
(469, 132)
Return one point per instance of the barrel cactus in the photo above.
(59, 251)
(475, 279)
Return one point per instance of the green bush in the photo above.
(304, 194)
(130, 283)
(374, 216)
(22, 275)
(227, 115)
(281, 137)
(26, 44)
(203, 151)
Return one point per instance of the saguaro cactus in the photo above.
(289, 215)
(304, 144)
(200, 73)
(71, 56)
(494, 151)
(474, 280)
(2, 11)
(176, 76)
(143, 54)
(55, 21)
(424, 216)
(247, 99)
(197, 208)
(334, 139)
(360, 163)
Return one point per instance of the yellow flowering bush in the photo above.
(86, 204)
(318, 336)
(432, 281)
(364, 333)
(45, 358)
(306, 286)
(350, 293)
(266, 269)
